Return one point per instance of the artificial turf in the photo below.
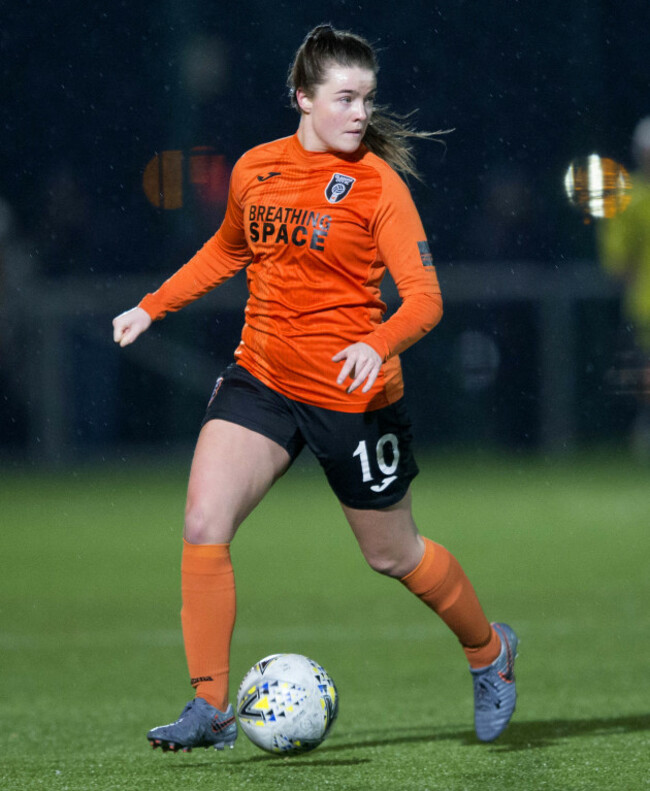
(92, 654)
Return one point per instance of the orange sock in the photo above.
(440, 582)
(208, 618)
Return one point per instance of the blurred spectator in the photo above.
(624, 243)
(17, 266)
(65, 243)
(503, 227)
(17, 273)
(74, 242)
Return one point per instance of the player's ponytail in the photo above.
(387, 135)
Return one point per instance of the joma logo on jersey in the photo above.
(338, 187)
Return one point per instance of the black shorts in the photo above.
(366, 456)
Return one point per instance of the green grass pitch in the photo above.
(92, 654)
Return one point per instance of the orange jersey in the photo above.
(317, 232)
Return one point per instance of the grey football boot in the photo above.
(200, 725)
(495, 695)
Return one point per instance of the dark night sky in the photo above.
(93, 90)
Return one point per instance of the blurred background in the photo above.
(121, 122)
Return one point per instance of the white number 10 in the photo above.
(387, 469)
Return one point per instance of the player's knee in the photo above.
(200, 527)
(396, 560)
(385, 564)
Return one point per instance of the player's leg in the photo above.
(388, 537)
(247, 442)
(369, 464)
(391, 544)
(232, 469)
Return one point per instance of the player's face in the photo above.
(335, 118)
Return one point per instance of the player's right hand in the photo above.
(128, 325)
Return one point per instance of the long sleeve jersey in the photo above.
(317, 232)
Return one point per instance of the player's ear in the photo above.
(304, 102)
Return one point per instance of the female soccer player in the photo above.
(317, 218)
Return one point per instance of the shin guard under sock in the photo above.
(440, 582)
(208, 618)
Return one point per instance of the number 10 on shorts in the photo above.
(387, 457)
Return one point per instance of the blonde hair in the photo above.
(387, 135)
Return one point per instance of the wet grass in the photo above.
(92, 655)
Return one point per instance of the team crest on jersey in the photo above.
(338, 187)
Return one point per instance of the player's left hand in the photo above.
(362, 364)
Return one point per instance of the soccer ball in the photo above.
(287, 704)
